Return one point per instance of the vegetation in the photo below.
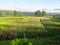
(44, 13)
(29, 30)
(38, 13)
(15, 13)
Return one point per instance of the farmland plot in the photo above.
(29, 30)
(53, 28)
(18, 26)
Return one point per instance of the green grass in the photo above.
(4, 42)
(13, 26)
(15, 22)
(31, 26)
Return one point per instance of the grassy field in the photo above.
(20, 23)
(43, 30)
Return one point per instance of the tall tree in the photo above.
(15, 13)
(38, 13)
(44, 13)
(0, 13)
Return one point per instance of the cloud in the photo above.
(53, 10)
(56, 9)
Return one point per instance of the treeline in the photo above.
(14, 13)
(41, 13)
(19, 13)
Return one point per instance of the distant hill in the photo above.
(52, 13)
(20, 13)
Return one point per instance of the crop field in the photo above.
(20, 23)
(29, 31)
(53, 30)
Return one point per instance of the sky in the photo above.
(29, 5)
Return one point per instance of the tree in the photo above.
(44, 13)
(3, 14)
(15, 13)
(0, 13)
(38, 13)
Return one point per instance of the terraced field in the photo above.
(29, 31)
(53, 28)
(20, 23)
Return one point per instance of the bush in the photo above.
(19, 42)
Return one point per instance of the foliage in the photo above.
(29, 31)
(15, 13)
(44, 13)
(38, 13)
